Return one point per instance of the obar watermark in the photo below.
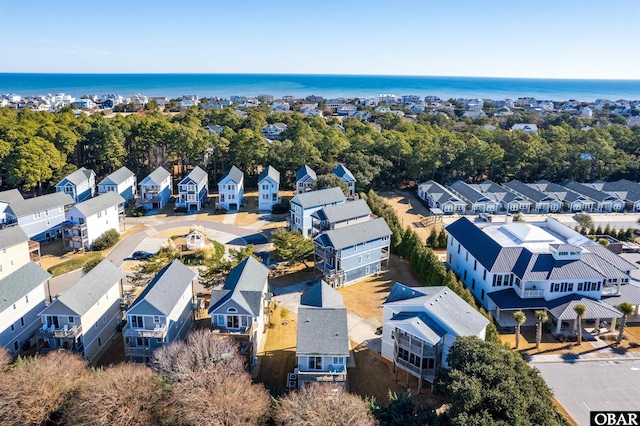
(615, 418)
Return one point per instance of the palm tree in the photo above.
(520, 318)
(626, 310)
(580, 310)
(542, 318)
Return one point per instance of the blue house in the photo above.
(268, 188)
(346, 176)
(302, 206)
(305, 177)
(122, 182)
(155, 190)
(344, 255)
(80, 185)
(163, 313)
(41, 217)
(193, 190)
(231, 189)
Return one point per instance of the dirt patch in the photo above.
(373, 376)
(181, 231)
(366, 297)
(279, 356)
(246, 218)
(412, 212)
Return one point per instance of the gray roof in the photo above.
(443, 305)
(271, 172)
(117, 177)
(99, 203)
(305, 171)
(234, 174)
(623, 188)
(565, 247)
(343, 173)
(163, 293)
(86, 291)
(610, 257)
(11, 196)
(157, 176)
(197, 175)
(354, 234)
(558, 191)
(527, 191)
(81, 175)
(341, 212)
(244, 285)
(38, 204)
(468, 192)
(595, 310)
(321, 197)
(322, 295)
(12, 236)
(439, 193)
(628, 293)
(588, 191)
(322, 331)
(19, 283)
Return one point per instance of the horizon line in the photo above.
(325, 75)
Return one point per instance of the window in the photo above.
(71, 320)
(458, 248)
(484, 276)
(221, 320)
(13, 328)
(99, 341)
(473, 284)
(233, 310)
(368, 255)
(315, 363)
(475, 264)
(482, 296)
(158, 340)
(95, 325)
(368, 269)
(16, 346)
(14, 306)
(359, 259)
(26, 299)
(580, 286)
(466, 257)
(156, 319)
(338, 360)
(104, 319)
(465, 274)
(136, 322)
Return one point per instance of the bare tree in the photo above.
(202, 351)
(125, 394)
(216, 398)
(5, 358)
(322, 405)
(35, 389)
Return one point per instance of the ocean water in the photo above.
(225, 85)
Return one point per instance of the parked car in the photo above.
(141, 255)
(485, 216)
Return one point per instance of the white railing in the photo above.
(158, 332)
(532, 293)
(610, 290)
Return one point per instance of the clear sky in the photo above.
(499, 38)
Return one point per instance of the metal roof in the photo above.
(270, 172)
(81, 175)
(101, 202)
(39, 204)
(19, 283)
(623, 188)
(86, 291)
(468, 192)
(439, 193)
(318, 198)
(322, 331)
(355, 234)
(483, 248)
(341, 212)
(420, 325)
(628, 293)
(595, 310)
(163, 293)
(528, 191)
(234, 174)
(117, 177)
(196, 175)
(343, 173)
(561, 192)
(244, 285)
(322, 295)
(12, 236)
(11, 196)
(156, 176)
(588, 191)
(305, 171)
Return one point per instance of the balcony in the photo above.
(65, 332)
(384, 253)
(608, 290)
(158, 332)
(323, 376)
(426, 373)
(415, 346)
(34, 251)
(138, 351)
(242, 333)
(529, 294)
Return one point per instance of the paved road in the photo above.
(588, 386)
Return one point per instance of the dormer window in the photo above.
(232, 310)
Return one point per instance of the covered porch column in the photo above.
(558, 326)
(612, 328)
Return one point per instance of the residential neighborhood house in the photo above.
(231, 189)
(193, 190)
(302, 206)
(345, 175)
(40, 217)
(90, 219)
(80, 185)
(122, 181)
(155, 190)
(305, 178)
(268, 188)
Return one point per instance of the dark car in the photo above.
(141, 255)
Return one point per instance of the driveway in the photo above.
(587, 386)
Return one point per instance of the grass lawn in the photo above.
(279, 356)
(76, 262)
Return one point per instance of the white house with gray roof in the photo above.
(421, 324)
(14, 250)
(572, 201)
(239, 307)
(347, 254)
(268, 188)
(40, 217)
(507, 201)
(340, 215)
(80, 185)
(322, 345)
(438, 197)
(625, 189)
(86, 316)
(347, 177)
(22, 297)
(303, 205)
(155, 190)
(90, 219)
(477, 202)
(231, 189)
(162, 313)
(122, 181)
(193, 190)
(540, 202)
(538, 266)
(6, 198)
(604, 201)
(305, 178)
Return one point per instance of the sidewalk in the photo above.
(598, 355)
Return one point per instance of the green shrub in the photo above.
(140, 211)
(106, 240)
(280, 208)
(92, 263)
(73, 264)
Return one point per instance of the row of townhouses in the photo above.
(538, 197)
